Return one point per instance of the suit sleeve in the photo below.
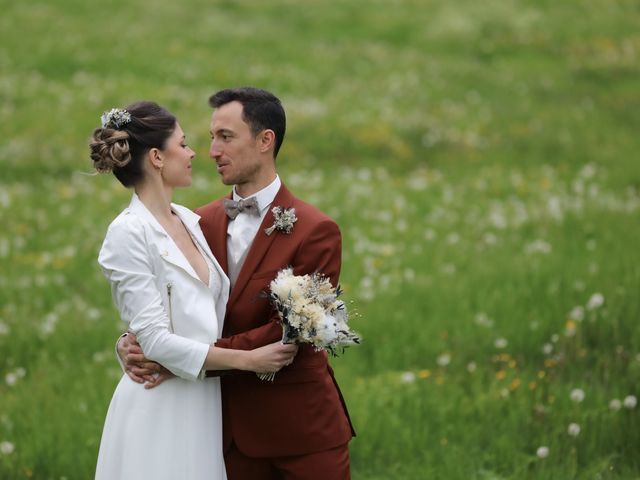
(320, 251)
(125, 261)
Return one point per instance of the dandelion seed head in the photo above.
(576, 313)
(542, 452)
(408, 377)
(483, 320)
(11, 379)
(630, 402)
(595, 301)
(573, 429)
(615, 404)
(6, 448)
(443, 360)
(577, 395)
(500, 343)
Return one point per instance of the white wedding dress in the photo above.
(172, 431)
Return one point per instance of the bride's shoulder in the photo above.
(126, 224)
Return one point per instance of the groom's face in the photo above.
(233, 146)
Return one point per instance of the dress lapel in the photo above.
(260, 245)
(190, 221)
(167, 248)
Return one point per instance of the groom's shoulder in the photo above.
(309, 213)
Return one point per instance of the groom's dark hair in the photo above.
(260, 110)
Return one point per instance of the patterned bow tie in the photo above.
(233, 208)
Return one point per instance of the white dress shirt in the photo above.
(243, 229)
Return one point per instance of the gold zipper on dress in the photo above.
(169, 287)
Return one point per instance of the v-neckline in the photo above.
(198, 249)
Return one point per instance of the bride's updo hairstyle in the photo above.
(126, 135)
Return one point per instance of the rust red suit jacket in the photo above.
(302, 411)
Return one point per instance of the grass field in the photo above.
(480, 158)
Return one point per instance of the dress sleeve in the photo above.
(125, 262)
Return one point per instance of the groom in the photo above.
(296, 427)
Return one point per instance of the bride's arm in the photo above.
(126, 262)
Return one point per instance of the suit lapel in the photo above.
(260, 245)
(215, 229)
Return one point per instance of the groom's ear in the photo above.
(267, 140)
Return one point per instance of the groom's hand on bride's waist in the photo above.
(139, 368)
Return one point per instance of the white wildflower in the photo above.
(576, 313)
(500, 342)
(574, 429)
(547, 348)
(596, 301)
(49, 324)
(453, 238)
(483, 320)
(429, 235)
(538, 246)
(448, 269)
(408, 377)
(11, 379)
(630, 402)
(489, 238)
(443, 360)
(6, 448)
(472, 367)
(577, 395)
(542, 452)
(615, 404)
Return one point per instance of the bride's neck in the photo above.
(157, 199)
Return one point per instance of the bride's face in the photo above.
(176, 160)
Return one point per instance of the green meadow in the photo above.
(481, 159)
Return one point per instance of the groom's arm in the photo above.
(320, 252)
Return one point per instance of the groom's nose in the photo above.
(215, 150)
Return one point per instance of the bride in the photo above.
(172, 293)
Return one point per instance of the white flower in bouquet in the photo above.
(288, 286)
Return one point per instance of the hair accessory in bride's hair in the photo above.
(115, 118)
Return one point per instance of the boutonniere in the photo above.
(284, 218)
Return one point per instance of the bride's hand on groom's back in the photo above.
(139, 368)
